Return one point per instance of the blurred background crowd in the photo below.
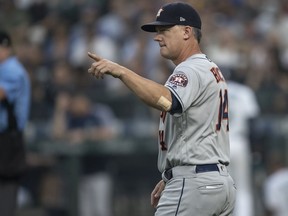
(91, 141)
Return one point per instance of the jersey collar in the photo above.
(198, 55)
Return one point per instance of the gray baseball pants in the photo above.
(207, 193)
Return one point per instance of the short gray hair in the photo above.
(197, 34)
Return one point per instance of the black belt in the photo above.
(198, 169)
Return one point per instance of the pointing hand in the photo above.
(101, 66)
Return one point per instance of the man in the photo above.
(193, 132)
(14, 107)
(241, 119)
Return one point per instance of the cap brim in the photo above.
(151, 27)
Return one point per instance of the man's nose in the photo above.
(157, 37)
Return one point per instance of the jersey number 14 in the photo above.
(223, 110)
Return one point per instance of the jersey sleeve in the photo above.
(184, 85)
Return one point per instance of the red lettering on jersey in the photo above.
(161, 140)
(223, 110)
(217, 74)
(163, 116)
(162, 143)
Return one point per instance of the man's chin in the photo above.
(164, 54)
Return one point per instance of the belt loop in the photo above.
(222, 169)
(164, 177)
(167, 175)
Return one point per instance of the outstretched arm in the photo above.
(152, 93)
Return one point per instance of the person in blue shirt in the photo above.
(14, 112)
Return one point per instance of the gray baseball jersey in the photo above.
(198, 135)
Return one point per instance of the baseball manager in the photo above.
(194, 125)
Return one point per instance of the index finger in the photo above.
(93, 56)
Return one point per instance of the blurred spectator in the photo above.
(77, 121)
(56, 46)
(275, 187)
(84, 36)
(114, 24)
(62, 78)
(14, 111)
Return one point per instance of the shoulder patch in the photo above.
(179, 80)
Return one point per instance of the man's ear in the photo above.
(188, 32)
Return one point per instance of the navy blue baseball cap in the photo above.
(5, 39)
(177, 13)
